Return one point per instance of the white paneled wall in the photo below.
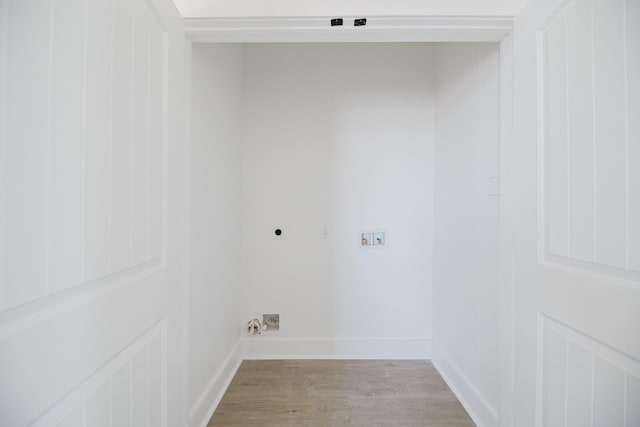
(82, 143)
(591, 141)
(126, 392)
(585, 383)
(24, 171)
(89, 290)
(592, 136)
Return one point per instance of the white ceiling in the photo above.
(305, 8)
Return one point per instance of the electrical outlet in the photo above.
(271, 322)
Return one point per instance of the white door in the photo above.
(92, 216)
(577, 200)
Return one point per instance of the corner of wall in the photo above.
(204, 407)
(215, 273)
(471, 398)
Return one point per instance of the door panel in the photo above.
(91, 269)
(121, 392)
(586, 163)
(577, 353)
(24, 172)
(583, 380)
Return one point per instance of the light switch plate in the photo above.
(324, 231)
(494, 186)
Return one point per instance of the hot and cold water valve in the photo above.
(373, 239)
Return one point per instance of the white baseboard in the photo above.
(262, 347)
(206, 404)
(475, 403)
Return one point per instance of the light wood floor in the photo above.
(315, 393)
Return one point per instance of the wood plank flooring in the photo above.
(315, 393)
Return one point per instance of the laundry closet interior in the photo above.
(333, 143)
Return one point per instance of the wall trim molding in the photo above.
(472, 399)
(378, 29)
(201, 412)
(261, 347)
(17, 319)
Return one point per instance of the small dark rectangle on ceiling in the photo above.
(360, 22)
(336, 22)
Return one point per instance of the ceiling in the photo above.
(364, 8)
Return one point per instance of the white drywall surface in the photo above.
(340, 135)
(396, 137)
(466, 247)
(215, 221)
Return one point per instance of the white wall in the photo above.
(91, 203)
(215, 223)
(369, 136)
(577, 323)
(303, 8)
(466, 247)
(340, 135)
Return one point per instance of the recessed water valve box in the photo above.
(271, 322)
(376, 238)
